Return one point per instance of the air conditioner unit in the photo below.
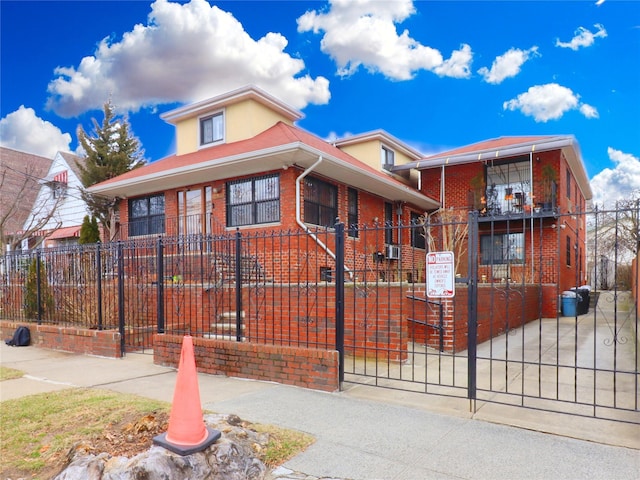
(393, 252)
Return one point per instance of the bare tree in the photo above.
(614, 236)
(16, 186)
(447, 230)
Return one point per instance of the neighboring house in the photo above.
(519, 185)
(58, 208)
(242, 163)
(20, 173)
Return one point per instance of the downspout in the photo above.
(299, 218)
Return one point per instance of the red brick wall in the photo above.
(302, 367)
(497, 311)
(551, 267)
(104, 343)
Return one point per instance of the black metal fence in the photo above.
(508, 336)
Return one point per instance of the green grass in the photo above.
(9, 373)
(283, 444)
(40, 429)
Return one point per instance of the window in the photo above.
(388, 223)
(326, 274)
(320, 202)
(253, 201)
(58, 189)
(502, 248)
(568, 251)
(508, 187)
(212, 129)
(352, 214)
(387, 157)
(194, 210)
(417, 231)
(146, 215)
(568, 184)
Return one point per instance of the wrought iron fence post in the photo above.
(121, 328)
(38, 288)
(472, 305)
(339, 229)
(238, 273)
(160, 285)
(99, 283)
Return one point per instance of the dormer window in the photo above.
(387, 158)
(212, 129)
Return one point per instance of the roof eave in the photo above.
(221, 101)
(566, 143)
(283, 156)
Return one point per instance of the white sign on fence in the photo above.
(440, 275)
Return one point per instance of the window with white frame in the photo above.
(387, 158)
(505, 248)
(194, 210)
(253, 201)
(212, 129)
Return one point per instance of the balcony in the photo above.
(507, 201)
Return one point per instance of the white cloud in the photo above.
(617, 183)
(549, 102)
(186, 52)
(23, 130)
(583, 38)
(458, 65)
(507, 65)
(363, 33)
(589, 111)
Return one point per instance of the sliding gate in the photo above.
(544, 317)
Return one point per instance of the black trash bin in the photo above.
(583, 300)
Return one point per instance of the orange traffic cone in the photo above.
(187, 432)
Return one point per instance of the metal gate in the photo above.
(544, 317)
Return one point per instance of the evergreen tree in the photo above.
(89, 232)
(31, 306)
(111, 151)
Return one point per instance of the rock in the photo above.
(232, 457)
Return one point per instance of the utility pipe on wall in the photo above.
(299, 216)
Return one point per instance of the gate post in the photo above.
(238, 274)
(121, 329)
(38, 288)
(472, 307)
(160, 285)
(99, 283)
(339, 229)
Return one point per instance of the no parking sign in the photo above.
(440, 275)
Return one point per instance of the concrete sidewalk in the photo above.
(365, 432)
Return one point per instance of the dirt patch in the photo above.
(127, 438)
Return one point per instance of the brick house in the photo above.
(529, 192)
(241, 163)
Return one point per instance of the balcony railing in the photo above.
(506, 200)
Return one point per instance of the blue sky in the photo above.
(437, 75)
